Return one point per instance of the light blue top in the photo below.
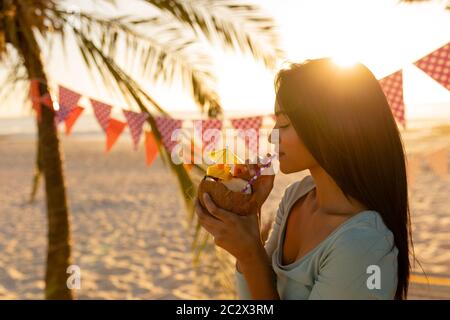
(358, 260)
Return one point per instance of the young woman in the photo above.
(343, 232)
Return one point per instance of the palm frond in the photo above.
(130, 88)
(164, 52)
(241, 26)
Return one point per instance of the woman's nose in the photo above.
(274, 136)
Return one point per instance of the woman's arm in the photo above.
(259, 275)
(269, 238)
(240, 236)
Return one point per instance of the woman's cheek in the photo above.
(297, 157)
(289, 140)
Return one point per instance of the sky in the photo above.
(383, 34)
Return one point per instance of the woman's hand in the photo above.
(239, 235)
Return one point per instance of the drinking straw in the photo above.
(258, 173)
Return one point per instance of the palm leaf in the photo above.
(132, 89)
(165, 51)
(241, 26)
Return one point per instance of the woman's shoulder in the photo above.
(365, 232)
(291, 194)
(296, 188)
(365, 227)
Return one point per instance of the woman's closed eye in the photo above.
(282, 126)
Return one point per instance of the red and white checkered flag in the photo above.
(392, 86)
(249, 123)
(437, 65)
(165, 127)
(102, 112)
(207, 136)
(135, 122)
(68, 100)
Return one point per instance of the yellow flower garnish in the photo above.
(219, 171)
(224, 156)
(223, 160)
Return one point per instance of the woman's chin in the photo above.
(286, 169)
(283, 168)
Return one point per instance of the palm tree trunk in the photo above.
(37, 174)
(59, 244)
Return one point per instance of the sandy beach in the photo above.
(129, 227)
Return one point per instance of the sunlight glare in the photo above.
(344, 61)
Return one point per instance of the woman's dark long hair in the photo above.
(344, 119)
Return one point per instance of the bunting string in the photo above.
(436, 65)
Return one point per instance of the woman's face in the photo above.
(293, 154)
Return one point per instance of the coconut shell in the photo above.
(237, 202)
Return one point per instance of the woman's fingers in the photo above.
(252, 168)
(209, 222)
(217, 212)
(266, 159)
(203, 212)
(247, 166)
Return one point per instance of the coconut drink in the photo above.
(229, 185)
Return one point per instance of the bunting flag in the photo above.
(114, 130)
(188, 155)
(72, 118)
(37, 99)
(208, 138)
(245, 124)
(166, 127)
(193, 156)
(438, 162)
(135, 122)
(392, 86)
(102, 112)
(47, 101)
(437, 65)
(151, 148)
(68, 100)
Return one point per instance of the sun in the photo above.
(345, 61)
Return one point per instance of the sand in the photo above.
(130, 236)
